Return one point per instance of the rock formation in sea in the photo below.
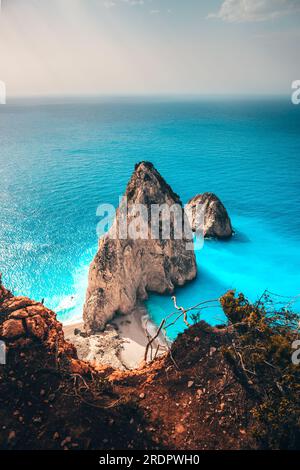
(216, 222)
(125, 269)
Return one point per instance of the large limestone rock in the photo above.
(216, 222)
(124, 270)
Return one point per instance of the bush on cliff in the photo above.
(261, 350)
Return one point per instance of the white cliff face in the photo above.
(125, 270)
(216, 222)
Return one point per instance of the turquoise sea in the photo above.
(60, 159)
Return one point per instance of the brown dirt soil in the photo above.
(189, 399)
(192, 400)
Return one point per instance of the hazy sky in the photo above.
(149, 46)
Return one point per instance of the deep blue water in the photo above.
(59, 161)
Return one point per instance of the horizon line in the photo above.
(144, 95)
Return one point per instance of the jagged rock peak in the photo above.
(146, 177)
(125, 270)
(217, 223)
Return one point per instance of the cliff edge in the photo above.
(232, 387)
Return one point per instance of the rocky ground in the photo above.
(195, 397)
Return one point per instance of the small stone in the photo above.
(11, 436)
(142, 396)
(180, 429)
(37, 420)
(212, 351)
(67, 440)
(190, 383)
(242, 431)
(55, 436)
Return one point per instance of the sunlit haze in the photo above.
(148, 46)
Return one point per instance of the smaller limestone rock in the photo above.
(216, 222)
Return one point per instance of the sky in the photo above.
(79, 47)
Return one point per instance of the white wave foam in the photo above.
(70, 307)
(67, 303)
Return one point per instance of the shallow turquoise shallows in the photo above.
(61, 159)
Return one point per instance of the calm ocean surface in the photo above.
(60, 160)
